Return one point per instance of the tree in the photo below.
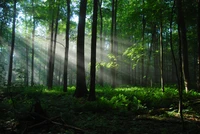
(12, 45)
(92, 96)
(179, 79)
(198, 31)
(113, 69)
(184, 45)
(161, 55)
(33, 43)
(143, 34)
(81, 89)
(65, 75)
(52, 47)
(101, 42)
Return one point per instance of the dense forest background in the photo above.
(103, 46)
(134, 38)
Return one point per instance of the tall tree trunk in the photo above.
(198, 82)
(92, 96)
(101, 42)
(183, 41)
(81, 89)
(33, 43)
(142, 58)
(113, 70)
(65, 77)
(54, 47)
(161, 57)
(115, 42)
(12, 45)
(150, 52)
(50, 49)
(27, 60)
(179, 79)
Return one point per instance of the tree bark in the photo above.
(50, 50)
(113, 70)
(81, 89)
(12, 45)
(142, 58)
(161, 57)
(54, 46)
(101, 43)
(198, 79)
(92, 96)
(179, 77)
(33, 44)
(183, 43)
(65, 77)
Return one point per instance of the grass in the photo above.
(123, 110)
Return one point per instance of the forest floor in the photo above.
(128, 111)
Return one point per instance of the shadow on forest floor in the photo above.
(43, 112)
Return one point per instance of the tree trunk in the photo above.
(113, 70)
(26, 81)
(65, 77)
(50, 51)
(12, 45)
(101, 43)
(92, 96)
(33, 43)
(81, 89)
(176, 67)
(198, 79)
(183, 41)
(142, 58)
(54, 47)
(148, 76)
(181, 81)
(161, 57)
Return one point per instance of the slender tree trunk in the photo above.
(65, 77)
(115, 42)
(92, 96)
(142, 60)
(101, 42)
(113, 70)
(27, 60)
(81, 89)
(183, 41)
(179, 77)
(150, 52)
(198, 79)
(33, 44)
(54, 48)
(50, 51)
(161, 57)
(12, 45)
(181, 81)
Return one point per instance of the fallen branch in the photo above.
(43, 122)
(53, 122)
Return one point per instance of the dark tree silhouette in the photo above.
(33, 44)
(198, 81)
(184, 45)
(81, 89)
(52, 46)
(92, 96)
(113, 70)
(101, 42)
(66, 48)
(12, 45)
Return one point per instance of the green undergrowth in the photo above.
(108, 114)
